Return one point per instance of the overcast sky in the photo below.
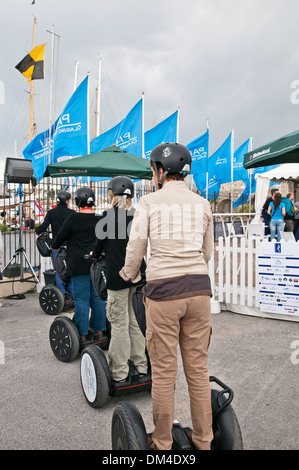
(230, 61)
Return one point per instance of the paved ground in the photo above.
(42, 404)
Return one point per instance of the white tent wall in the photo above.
(285, 172)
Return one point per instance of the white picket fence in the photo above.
(234, 277)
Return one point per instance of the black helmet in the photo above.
(63, 196)
(84, 197)
(174, 158)
(121, 186)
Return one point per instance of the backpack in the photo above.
(43, 244)
(60, 265)
(98, 278)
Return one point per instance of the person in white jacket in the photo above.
(179, 227)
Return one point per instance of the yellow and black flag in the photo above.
(32, 66)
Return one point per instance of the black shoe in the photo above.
(125, 381)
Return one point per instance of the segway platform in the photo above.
(128, 431)
(96, 379)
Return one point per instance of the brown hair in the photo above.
(277, 200)
(169, 176)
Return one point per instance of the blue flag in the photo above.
(165, 131)
(127, 135)
(199, 149)
(219, 164)
(104, 140)
(243, 198)
(70, 138)
(240, 174)
(38, 151)
(69, 134)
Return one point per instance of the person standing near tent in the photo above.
(55, 218)
(276, 211)
(113, 233)
(296, 220)
(78, 231)
(265, 216)
(179, 227)
(289, 216)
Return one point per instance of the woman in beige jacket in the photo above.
(178, 225)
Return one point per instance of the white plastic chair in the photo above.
(287, 236)
(256, 231)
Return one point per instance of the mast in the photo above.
(76, 74)
(32, 125)
(96, 115)
(232, 169)
(98, 99)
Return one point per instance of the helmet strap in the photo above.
(160, 180)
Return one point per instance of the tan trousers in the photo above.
(119, 305)
(186, 322)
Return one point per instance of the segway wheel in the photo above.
(51, 300)
(128, 429)
(226, 428)
(94, 374)
(64, 339)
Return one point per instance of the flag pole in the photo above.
(31, 105)
(97, 130)
(51, 89)
(178, 126)
(88, 123)
(50, 106)
(51, 94)
(142, 151)
(232, 170)
(76, 74)
(207, 165)
(250, 174)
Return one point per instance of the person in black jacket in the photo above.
(112, 233)
(79, 232)
(56, 217)
(265, 216)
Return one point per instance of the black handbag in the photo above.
(139, 308)
(98, 278)
(60, 265)
(43, 244)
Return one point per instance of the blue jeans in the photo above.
(85, 298)
(276, 226)
(63, 287)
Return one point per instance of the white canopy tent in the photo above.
(287, 171)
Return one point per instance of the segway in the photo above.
(128, 430)
(64, 336)
(96, 379)
(51, 299)
(95, 374)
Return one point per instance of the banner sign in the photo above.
(278, 274)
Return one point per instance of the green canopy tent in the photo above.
(283, 150)
(109, 162)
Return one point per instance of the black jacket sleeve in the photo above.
(43, 226)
